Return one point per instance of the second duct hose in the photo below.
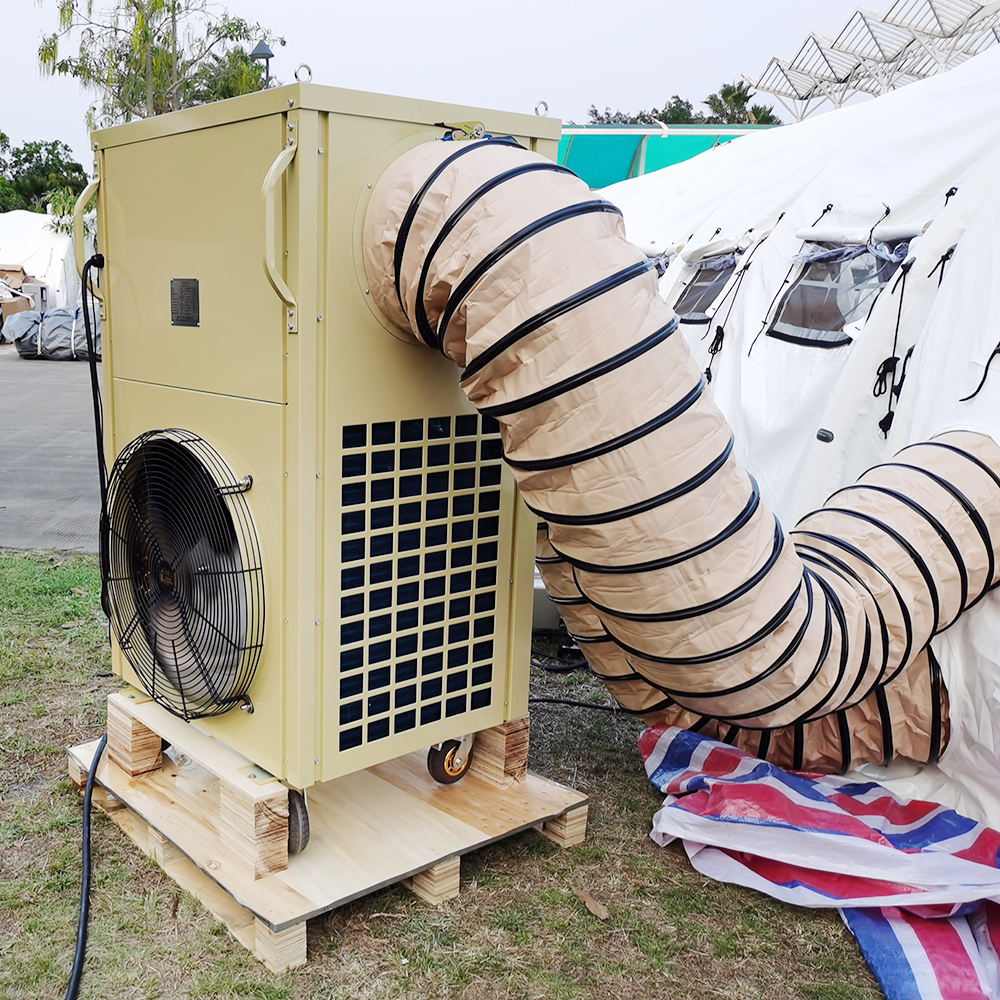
(686, 595)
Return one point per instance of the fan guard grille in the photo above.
(185, 581)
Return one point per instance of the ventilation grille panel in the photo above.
(420, 528)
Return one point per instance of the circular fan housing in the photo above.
(185, 583)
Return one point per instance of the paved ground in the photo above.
(49, 496)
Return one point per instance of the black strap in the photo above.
(420, 315)
(845, 742)
(466, 285)
(641, 506)
(741, 519)
(621, 441)
(411, 211)
(936, 720)
(582, 378)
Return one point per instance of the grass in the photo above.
(518, 930)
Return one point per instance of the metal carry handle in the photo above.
(271, 222)
(79, 234)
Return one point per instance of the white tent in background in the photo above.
(26, 239)
(807, 258)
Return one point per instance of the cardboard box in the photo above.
(10, 306)
(17, 278)
(13, 274)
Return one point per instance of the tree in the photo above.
(730, 105)
(31, 172)
(679, 112)
(228, 75)
(10, 200)
(146, 57)
(52, 160)
(676, 112)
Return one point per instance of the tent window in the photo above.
(710, 277)
(837, 287)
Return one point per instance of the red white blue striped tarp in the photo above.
(917, 884)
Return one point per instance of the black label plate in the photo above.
(185, 307)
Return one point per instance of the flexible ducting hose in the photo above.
(687, 597)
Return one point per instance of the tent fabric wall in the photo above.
(924, 159)
(26, 239)
(655, 537)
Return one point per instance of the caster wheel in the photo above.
(298, 822)
(441, 763)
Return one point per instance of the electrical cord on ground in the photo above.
(81, 931)
(561, 664)
(616, 709)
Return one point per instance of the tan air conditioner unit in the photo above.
(316, 552)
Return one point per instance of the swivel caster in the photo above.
(448, 762)
(298, 822)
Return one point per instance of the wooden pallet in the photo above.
(197, 806)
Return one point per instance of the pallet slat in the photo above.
(391, 823)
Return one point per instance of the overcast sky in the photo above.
(507, 55)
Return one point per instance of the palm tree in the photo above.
(730, 105)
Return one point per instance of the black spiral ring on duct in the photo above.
(185, 584)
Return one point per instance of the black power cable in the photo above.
(562, 664)
(81, 929)
(617, 709)
(102, 470)
(81, 932)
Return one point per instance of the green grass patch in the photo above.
(517, 931)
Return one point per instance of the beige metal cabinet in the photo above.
(396, 557)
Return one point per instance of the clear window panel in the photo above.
(830, 296)
(701, 292)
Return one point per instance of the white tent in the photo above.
(776, 215)
(26, 239)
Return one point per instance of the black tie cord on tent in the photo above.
(982, 381)
(939, 266)
(886, 376)
(781, 289)
(949, 194)
(885, 215)
(777, 296)
(819, 218)
(713, 349)
(731, 293)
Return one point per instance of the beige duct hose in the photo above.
(688, 599)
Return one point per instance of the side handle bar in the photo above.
(78, 232)
(271, 226)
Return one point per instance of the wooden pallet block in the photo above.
(252, 804)
(500, 754)
(279, 951)
(391, 823)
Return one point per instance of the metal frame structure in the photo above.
(876, 53)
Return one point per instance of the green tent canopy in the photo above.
(606, 154)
